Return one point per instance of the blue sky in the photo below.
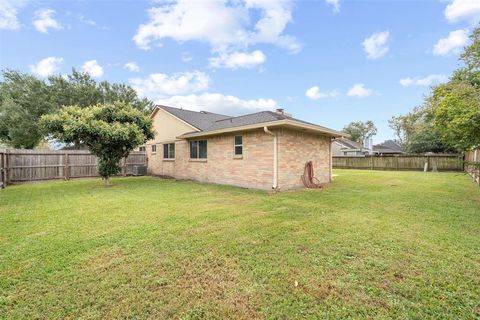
(324, 61)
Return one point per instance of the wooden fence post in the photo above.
(66, 169)
(2, 168)
(371, 162)
(124, 167)
(7, 167)
(428, 163)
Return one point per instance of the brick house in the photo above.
(265, 150)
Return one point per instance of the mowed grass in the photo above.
(376, 244)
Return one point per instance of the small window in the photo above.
(142, 148)
(198, 149)
(169, 151)
(238, 145)
(154, 148)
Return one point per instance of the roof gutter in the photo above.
(275, 157)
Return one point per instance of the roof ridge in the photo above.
(246, 115)
(200, 112)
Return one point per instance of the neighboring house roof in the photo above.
(388, 146)
(211, 123)
(348, 144)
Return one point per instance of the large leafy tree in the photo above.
(359, 130)
(416, 134)
(455, 112)
(454, 107)
(109, 131)
(406, 125)
(426, 140)
(25, 98)
(449, 119)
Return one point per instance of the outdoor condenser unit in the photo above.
(139, 170)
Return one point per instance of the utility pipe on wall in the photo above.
(275, 157)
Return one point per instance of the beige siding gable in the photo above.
(168, 127)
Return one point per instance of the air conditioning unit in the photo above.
(139, 170)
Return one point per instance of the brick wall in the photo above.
(255, 168)
(295, 148)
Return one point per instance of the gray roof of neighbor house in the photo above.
(347, 143)
(213, 122)
(388, 146)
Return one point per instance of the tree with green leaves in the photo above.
(406, 125)
(109, 131)
(426, 140)
(454, 107)
(359, 130)
(449, 119)
(25, 98)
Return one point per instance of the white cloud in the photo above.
(217, 102)
(358, 90)
(426, 81)
(8, 14)
(452, 43)
(463, 10)
(159, 85)
(335, 4)
(314, 93)
(93, 68)
(224, 25)
(85, 20)
(132, 66)
(44, 21)
(236, 60)
(47, 66)
(186, 57)
(376, 46)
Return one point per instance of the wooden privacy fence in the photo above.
(18, 165)
(445, 162)
(472, 164)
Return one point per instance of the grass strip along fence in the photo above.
(18, 165)
(469, 162)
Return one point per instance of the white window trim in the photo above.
(237, 156)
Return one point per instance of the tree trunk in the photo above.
(107, 181)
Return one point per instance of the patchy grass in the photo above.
(372, 245)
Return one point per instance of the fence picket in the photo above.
(17, 165)
(445, 162)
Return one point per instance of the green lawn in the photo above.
(373, 245)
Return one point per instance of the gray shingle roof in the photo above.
(347, 143)
(200, 120)
(208, 121)
(388, 146)
(245, 120)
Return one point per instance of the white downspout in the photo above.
(331, 158)
(275, 157)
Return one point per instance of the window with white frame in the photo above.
(238, 145)
(154, 148)
(169, 151)
(198, 149)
